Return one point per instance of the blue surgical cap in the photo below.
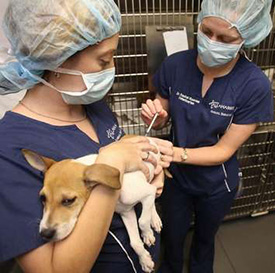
(44, 34)
(251, 17)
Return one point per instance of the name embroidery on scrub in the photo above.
(187, 99)
(220, 109)
(111, 132)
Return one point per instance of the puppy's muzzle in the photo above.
(48, 233)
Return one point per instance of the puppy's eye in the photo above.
(43, 198)
(68, 201)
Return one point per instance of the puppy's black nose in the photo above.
(47, 233)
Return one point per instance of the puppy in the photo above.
(67, 187)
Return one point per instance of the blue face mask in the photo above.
(97, 86)
(214, 53)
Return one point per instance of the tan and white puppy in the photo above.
(67, 187)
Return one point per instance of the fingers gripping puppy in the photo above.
(67, 185)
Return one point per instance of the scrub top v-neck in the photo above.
(243, 96)
(20, 207)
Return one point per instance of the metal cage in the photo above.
(130, 89)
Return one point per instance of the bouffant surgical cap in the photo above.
(251, 17)
(44, 34)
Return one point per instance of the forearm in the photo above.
(217, 154)
(79, 251)
(205, 156)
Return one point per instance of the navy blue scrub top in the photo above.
(244, 96)
(20, 207)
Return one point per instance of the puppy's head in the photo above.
(66, 188)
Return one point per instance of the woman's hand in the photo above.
(128, 154)
(149, 109)
(166, 150)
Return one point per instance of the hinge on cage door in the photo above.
(261, 211)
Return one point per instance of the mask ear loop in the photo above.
(245, 55)
(59, 70)
(242, 51)
(68, 71)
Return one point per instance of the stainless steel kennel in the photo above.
(257, 156)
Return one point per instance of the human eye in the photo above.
(228, 40)
(105, 63)
(207, 32)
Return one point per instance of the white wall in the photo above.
(7, 102)
(3, 40)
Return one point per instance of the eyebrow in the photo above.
(107, 52)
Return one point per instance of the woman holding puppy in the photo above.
(62, 52)
(215, 98)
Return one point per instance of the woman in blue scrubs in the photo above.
(215, 98)
(62, 52)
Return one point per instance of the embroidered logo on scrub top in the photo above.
(220, 109)
(111, 133)
(187, 99)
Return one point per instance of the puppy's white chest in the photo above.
(134, 185)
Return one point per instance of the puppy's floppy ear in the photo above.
(37, 161)
(102, 174)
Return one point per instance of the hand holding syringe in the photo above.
(154, 114)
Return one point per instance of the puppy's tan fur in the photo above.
(67, 186)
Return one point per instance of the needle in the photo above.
(151, 124)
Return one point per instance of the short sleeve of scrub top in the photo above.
(256, 104)
(243, 96)
(20, 207)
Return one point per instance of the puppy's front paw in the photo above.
(148, 237)
(156, 222)
(146, 262)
